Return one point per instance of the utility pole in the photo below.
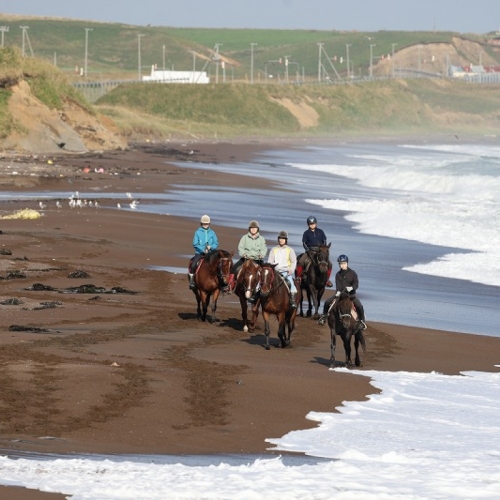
(252, 44)
(217, 57)
(24, 28)
(320, 45)
(139, 36)
(86, 49)
(347, 45)
(371, 59)
(3, 29)
(393, 52)
(286, 68)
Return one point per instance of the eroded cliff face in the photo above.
(44, 130)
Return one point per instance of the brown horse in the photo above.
(314, 280)
(211, 276)
(343, 321)
(246, 283)
(274, 298)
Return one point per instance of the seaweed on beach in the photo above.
(79, 274)
(11, 302)
(33, 329)
(40, 287)
(48, 305)
(14, 275)
(5, 251)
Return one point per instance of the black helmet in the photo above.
(311, 220)
(283, 234)
(343, 258)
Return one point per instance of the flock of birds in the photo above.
(75, 201)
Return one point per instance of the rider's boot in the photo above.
(298, 274)
(293, 300)
(192, 284)
(328, 282)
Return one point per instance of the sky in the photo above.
(464, 16)
(424, 436)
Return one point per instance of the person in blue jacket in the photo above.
(204, 240)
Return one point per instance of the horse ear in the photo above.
(231, 254)
(329, 244)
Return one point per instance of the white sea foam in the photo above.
(442, 195)
(424, 436)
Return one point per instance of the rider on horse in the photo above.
(285, 259)
(312, 238)
(204, 240)
(251, 246)
(345, 279)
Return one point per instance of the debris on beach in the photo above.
(11, 302)
(26, 213)
(88, 288)
(33, 329)
(79, 274)
(15, 275)
(48, 305)
(5, 251)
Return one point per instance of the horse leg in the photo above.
(290, 323)
(359, 339)
(309, 300)
(333, 341)
(301, 298)
(205, 299)
(255, 315)
(347, 348)
(315, 301)
(198, 301)
(319, 295)
(244, 311)
(281, 329)
(267, 329)
(215, 297)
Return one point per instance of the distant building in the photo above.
(176, 76)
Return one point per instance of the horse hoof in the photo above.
(245, 329)
(308, 314)
(267, 348)
(316, 316)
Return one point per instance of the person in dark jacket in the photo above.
(345, 279)
(312, 238)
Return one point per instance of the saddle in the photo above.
(198, 264)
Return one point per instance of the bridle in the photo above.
(322, 260)
(265, 272)
(224, 261)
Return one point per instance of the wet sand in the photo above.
(137, 372)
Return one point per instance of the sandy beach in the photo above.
(127, 367)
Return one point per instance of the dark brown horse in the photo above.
(211, 276)
(246, 283)
(343, 321)
(274, 298)
(314, 280)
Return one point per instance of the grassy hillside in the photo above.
(113, 48)
(387, 107)
(47, 84)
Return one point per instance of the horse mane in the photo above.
(214, 255)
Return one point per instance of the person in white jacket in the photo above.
(286, 261)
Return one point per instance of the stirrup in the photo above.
(363, 324)
(322, 320)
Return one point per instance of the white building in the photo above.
(176, 76)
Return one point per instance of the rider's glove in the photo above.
(349, 288)
(337, 294)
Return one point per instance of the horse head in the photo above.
(266, 279)
(224, 264)
(322, 257)
(344, 308)
(250, 277)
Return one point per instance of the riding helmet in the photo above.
(205, 219)
(253, 223)
(283, 234)
(311, 220)
(343, 258)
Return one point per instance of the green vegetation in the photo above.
(112, 48)
(380, 107)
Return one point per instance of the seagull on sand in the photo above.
(58, 204)
(133, 204)
(42, 205)
(118, 206)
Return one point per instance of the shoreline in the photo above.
(181, 386)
